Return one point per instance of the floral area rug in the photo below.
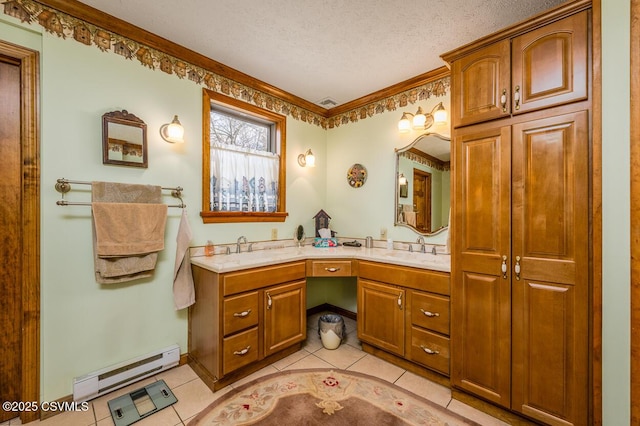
(324, 397)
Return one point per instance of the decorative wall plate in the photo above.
(357, 175)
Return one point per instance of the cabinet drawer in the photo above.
(430, 311)
(240, 312)
(430, 349)
(253, 279)
(239, 350)
(418, 279)
(329, 268)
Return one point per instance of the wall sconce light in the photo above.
(402, 180)
(307, 159)
(172, 132)
(422, 121)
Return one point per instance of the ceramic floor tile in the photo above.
(69, 418)
(291, 359)
(311, 361)
(352, 340)
(269, 369)
(164, 417)
(350, 325)
(193, 397)
(473, 414)
(177, 376)
(383, 369)
(342, 357)
(425, 388)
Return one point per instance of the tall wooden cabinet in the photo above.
(521, 235)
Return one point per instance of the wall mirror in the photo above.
(124, 139)
(423, 181)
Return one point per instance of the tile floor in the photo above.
(193, 395)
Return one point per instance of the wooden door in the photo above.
(10, 230)
(481, 291)
(550, 64)
(381, 315)
(550, 237)
(285, 318)
(422, 199)
(480, 84)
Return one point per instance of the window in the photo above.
(243, 162)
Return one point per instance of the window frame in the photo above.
(280, 124)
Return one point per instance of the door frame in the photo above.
(30, 261)
(635, 210)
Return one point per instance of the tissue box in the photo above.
(325, 242)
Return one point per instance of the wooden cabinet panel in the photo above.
(329, 268)
(381, 316)
(240, 312)
(549, 353)
(430, 311)
(246, 280)
(239, 350)
(429, 349)
(285, 316)
(480, 83)
(550, 64)
(481, 336)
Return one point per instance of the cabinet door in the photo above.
(285, 321)
(478, 82)
(381, 313)
(550, 295)
(550, 64)
(480, 292)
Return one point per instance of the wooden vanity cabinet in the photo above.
(244, 320)
(520, 249)
(405, 312)
(526, 70)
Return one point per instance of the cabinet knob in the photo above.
(429, 314)
(242, 314)
(243, 351)
(429, 351)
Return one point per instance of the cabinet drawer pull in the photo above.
(242, 352)
(400, 301)
(269, 302)
(429, 314)
(242, 314)
(429, 351)
(516, 97)
(332, 269)
(517, 268)
(504, 267)
(503, 100)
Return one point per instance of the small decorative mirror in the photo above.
(423, 176)
(124, 139)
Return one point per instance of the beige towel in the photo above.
(110, 270)
(410, 218)
(184, 294)
(129, 229)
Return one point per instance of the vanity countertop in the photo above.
(234, 262)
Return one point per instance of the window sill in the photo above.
(230, 217)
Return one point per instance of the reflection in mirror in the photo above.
(423, 181)
(124, 139)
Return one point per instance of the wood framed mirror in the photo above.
(124, 139)
(423, 177)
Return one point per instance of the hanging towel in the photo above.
(117, 269)
(184, 294)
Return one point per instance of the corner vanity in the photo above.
(251, 311)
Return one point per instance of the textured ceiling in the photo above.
(314, 49)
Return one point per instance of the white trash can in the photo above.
(331, 330)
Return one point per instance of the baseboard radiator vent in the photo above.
(108, 379)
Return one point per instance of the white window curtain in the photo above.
(243, 181)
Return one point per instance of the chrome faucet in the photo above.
(240, 240)
(420, 241)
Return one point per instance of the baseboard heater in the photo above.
(108, 379)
